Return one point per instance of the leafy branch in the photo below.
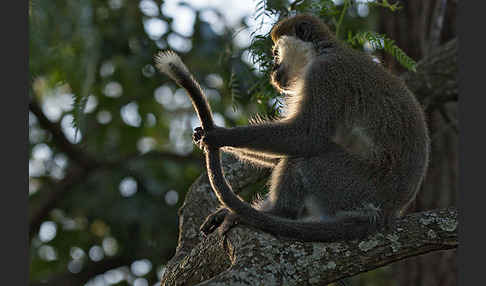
(382, 42)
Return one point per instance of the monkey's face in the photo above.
(291, 58)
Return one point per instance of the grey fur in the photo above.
(353, 142)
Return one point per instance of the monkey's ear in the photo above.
(303, 31)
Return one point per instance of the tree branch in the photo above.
(61, 142)
(37, 215)
(159, 155)
(251, 257)
(435, 81)
(88, 272)
(76, 175)
(257, 258)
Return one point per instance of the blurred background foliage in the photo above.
(111, 155)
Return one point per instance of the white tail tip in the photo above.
(164, 59)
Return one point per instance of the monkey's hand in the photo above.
(207, 139)
(198, 134)
(222, 218)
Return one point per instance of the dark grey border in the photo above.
(14, 119)
(472, 172)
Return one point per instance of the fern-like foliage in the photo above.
(79, 104)
(385, 4)
(235, 90)
(381, 42)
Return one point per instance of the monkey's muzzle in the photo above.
(278, 77)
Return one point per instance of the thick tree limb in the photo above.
(251, 257)
(435, 81)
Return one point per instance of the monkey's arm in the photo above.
(274, 139)
(307, 134)
(259, 159)
(256, 158)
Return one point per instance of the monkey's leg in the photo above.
(223, 215)
(287, 191)
(285, 199)
(343, 186)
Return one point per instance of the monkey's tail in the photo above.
(348, 227)
(169, 63)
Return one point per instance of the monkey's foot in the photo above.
(229, 222)
(222, 218)
(214, 220)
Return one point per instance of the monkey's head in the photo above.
(295, 40)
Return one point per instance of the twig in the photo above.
(341, 17)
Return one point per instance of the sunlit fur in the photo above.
(164, 59)
(333, 93)
(349, 154)
(294, 57)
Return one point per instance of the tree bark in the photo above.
(250, 257)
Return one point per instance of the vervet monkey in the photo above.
(348, 155)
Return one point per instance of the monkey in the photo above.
(348, 154)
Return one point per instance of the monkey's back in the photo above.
(382, 122)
